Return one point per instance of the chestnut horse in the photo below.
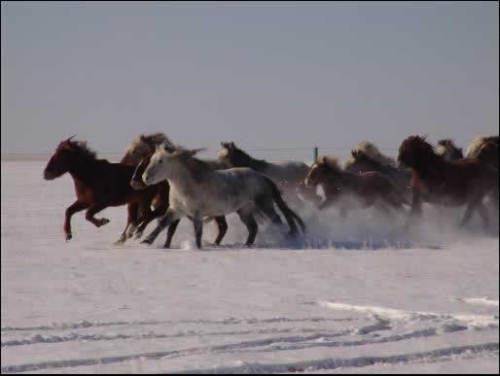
(142, 147)
(363, 162)
(456, 183)
(369, 188)
(98, 184)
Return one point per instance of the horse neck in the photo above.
(341, 178)
(432, 168)
(245, 160)
(84, 169)
(185, 179)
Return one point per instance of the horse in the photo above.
(448, 150)
(371, 151)
(141, 147)
(98, 184)
(451, 183)
(289, 175)
(197, 191)
(368, 188)
(362, 162)
(485, 149)
(137, 183)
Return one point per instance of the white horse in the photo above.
(197, 191)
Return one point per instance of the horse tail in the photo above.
(290, 216)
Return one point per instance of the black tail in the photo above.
(290, 216)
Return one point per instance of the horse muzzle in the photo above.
(47, 175)
(137, 185)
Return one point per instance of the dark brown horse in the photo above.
(98, 184)
(455, 183)
(448, 150)
(368, 188)
(137, 183)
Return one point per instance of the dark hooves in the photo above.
(147, 241)
(68, 237)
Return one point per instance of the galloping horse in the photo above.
(368, 188)
(288, 175)
(197, 191)
(141, 147)
(371, 151)
(362, 162)
(98, 184)
(137, 183)
(485, 149)
(448, 150)
(456, 183)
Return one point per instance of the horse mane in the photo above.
(144, 142)
(370, 150)
(359, 155)
(252, 162)
(477, 143)
(331, 162)
(447, 146)
(81, 148)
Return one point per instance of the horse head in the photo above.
(415, 151)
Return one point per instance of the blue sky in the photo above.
(273, 75)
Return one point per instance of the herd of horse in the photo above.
(159, 179)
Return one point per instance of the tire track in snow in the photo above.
(312, 365)
(333, 363)
(38, 339)
(230, 321)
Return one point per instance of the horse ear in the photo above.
(167, 147)
(69, 139)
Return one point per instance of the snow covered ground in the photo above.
(358, 295)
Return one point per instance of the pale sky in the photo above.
(273, 75)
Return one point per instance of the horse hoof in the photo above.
(147, 241)
(68, 237)
(104, 221)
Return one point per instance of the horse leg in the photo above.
(468, 211)
(222, 225)
(72, 209)
(483, 212)
(132, 209)
(416, 207)
(93, 210)
(267, 207)
(249, 221)
(170, 233)
(148, 216)
(163, 222)
(198, 231)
